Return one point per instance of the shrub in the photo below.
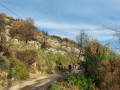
(23, 30)
(44, 32)
(62, 61)
(78, 82)
(58, 87)
(45, 45)
(2, 23)
(81, 82)
(93, 55)
(55, 87)
(49, 63)
(19, 72)
(66, 39)
(28, 56)
(102, 65)
(3, 64)
(109, 74)
(73, 42)
(5, 50)
(2, 84)
(57, 37)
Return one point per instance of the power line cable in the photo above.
(10, 10)
(3, 1)
(14, 13)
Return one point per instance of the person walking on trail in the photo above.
(74, 66)
(69, 67)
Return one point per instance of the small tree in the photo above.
(93, 54)
(24, 30)
(44, 32)
(109, 74)
(116, 34)
(80, 38)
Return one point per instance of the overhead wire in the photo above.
(10, 10)
(14, 13)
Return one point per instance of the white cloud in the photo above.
(70, 30)
(54, 25)
(49, 13)
(101, 35)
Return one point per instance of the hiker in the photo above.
(69, 67)
(74, 66)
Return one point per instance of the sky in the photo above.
(66, 18)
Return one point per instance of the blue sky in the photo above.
(67, 17)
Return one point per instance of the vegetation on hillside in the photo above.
(23, 30)
(101, 65)
(17, 61)
(77, 82)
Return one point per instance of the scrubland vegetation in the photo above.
(77, 82)
(102, 68)
(101, 64)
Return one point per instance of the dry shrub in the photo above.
(27, 56)
(57, 37)
(74, 88)
(109, 73)
(5, 50)
(104, 66)
(2, 23)
(96, 48)
(66, 39)
(23, 30)
(45, 45)
(73, 42)
(44, 32)
(93, 48)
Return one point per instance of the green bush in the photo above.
(21, 73)
(62, 61)
(2, 84)
(50, 65)
(93, 55)
(49, 62)
(3, 64)
(55, 87)
(18, 69)
(81, 82)
(58, 87)
(78, 82)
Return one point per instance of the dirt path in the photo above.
(40, 82)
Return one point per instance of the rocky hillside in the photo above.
(26, 51)
(54, 44)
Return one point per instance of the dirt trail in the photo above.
(40, 82)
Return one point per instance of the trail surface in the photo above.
(40, 83)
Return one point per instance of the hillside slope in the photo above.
(25, 51)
